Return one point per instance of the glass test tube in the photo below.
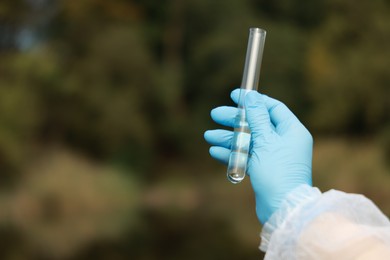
(241, 140)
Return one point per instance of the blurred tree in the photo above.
(348, 68)
(164, 68)
(12, 15)
(19, 109)
(91, 70)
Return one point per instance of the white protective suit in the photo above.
(330, 225)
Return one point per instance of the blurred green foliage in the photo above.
(128, 86)
(348, 69)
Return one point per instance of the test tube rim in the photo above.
(257, 30)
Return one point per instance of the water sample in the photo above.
(238, 159)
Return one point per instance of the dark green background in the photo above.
(103, 105)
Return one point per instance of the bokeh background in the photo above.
(103, 105)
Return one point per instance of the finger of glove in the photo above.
(219, 137)
(220, 154)
(238, 94)
(224, 115)
(280, 115)
(257, 115)
(235, 95)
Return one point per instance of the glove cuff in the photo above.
(301, 197)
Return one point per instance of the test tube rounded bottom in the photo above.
(239, 155)
(237, 167)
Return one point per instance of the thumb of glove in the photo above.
(257, 116)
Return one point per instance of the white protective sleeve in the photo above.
(334, 224)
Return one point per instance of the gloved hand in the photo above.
(281, 149)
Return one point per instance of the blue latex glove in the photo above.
(281, 154)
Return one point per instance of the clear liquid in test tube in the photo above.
(238, 159)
